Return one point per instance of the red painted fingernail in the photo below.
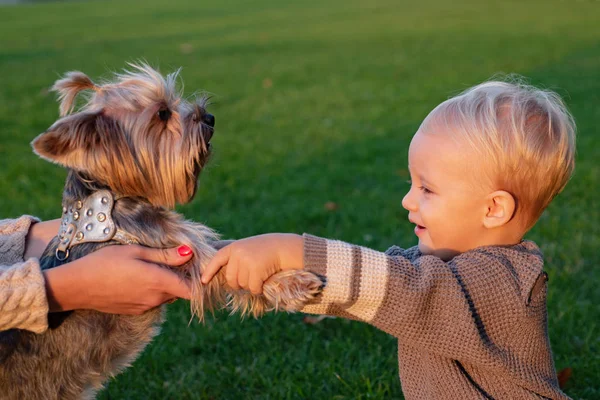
(184, 250)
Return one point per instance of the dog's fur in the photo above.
(139, 139)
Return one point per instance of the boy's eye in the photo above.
(425, 190)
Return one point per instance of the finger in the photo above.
(215, 264)
(173, 256)
(231, 274)
(242, 278)
(255, 284)
(176, 287)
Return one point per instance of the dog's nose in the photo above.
(208, 119)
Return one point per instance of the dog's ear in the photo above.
(81, 141)
(69, 87)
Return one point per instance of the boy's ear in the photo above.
(501, 207)
(76, 141)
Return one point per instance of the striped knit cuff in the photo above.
(357, 278)
(13, 234)
(315, 254)
(333, 260)
(23, 301)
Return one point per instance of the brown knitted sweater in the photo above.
(23, 302)
(471, 328)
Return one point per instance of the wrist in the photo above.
(60, 284)
(39, 236)
(293, 252)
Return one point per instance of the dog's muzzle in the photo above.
(209, 119)
(208, 130)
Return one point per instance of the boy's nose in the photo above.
(408, 203)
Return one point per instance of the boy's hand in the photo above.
(250, 262)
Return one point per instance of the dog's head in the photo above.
(136, 135)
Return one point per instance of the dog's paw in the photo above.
(246, 303)
(285, 291)
(291, 290)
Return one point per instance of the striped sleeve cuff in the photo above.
(357, 278)
(23, 301)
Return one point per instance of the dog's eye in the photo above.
(164, 114)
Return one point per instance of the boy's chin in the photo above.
(444, 254)
(424, 249)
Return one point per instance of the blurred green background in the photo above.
(316, 102)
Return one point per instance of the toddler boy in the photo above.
(468, 304)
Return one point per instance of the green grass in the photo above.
(316, 101)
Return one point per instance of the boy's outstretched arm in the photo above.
(461, 309)
(484, 308)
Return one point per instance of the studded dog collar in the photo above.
(89, 220)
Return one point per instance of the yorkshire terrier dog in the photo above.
(133, 151)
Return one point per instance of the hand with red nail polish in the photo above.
(118, 280)
(184, 251)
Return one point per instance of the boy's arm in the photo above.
(368, 285)
(480, 308)
(462, 309)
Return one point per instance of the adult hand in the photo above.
(118, 280)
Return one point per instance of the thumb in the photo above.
(220, 259)
(173, 256)
(174, 285)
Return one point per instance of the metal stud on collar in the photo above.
(89, 221)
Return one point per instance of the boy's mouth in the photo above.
(419, 230)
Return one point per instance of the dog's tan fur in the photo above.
(138, 138)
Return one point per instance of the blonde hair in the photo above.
(525, 135)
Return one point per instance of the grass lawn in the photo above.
(316, 102)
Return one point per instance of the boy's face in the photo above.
(447, 198)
